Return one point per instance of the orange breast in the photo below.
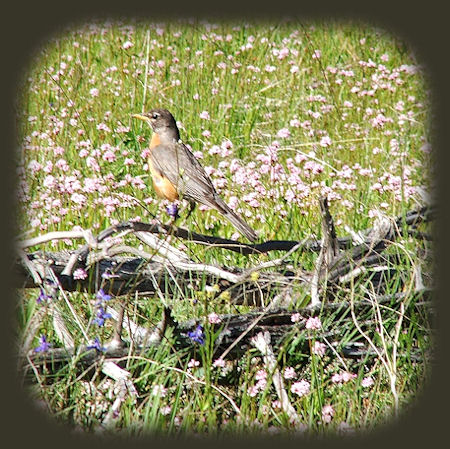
(155, 140)
(163, 187)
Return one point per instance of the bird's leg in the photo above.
(191, 209)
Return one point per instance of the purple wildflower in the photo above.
(108, 275)
(102, 296)
(44, 345)
(172, 210)
(197, 335)
(101, 317)
(43, 297)
(96, 344)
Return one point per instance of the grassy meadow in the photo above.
(279, 115)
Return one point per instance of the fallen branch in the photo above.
(262, 342)
(157, 271)
(234, 332)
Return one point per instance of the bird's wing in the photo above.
(182, 169)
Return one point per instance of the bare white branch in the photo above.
(60, 235)
(262, 343)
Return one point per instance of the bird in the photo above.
(177, 173)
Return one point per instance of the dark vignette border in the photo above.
(30, 25)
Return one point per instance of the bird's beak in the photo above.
(141, 117)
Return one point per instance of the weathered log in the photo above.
(149, 274)
(167, 270)
(234, 328)
(123, 275)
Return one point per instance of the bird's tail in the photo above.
(235, 219)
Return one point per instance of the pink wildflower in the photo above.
(165, 410)
(49, 181)
(78, 198)
(283, 53)
(325, 141)
(34, 166)
(367, 382)
(48, 167)
(62, 165)
(379, 121)
(213, 318)
(192, 363)
(327, 413)
(319, 348)
(103, 127)
(313, 323)
(159, 390)
(276, 404)
(336, 378)
(219, 363)
(283, 133)
(253, 391)
(79, 274)
(261, 374)
(343, 377)
(301, 387)
(289, 373)
(57, 151)
(261, 384)
(346, 376)
(92, 163)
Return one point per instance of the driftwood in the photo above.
(151, 273)
(165, 270)
(241, 328)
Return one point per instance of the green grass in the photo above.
(235, 72)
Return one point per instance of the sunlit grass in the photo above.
(295, 112)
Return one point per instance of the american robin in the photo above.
(178, 174)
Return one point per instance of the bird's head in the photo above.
(161, 121)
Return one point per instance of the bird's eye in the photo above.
(155, 115)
